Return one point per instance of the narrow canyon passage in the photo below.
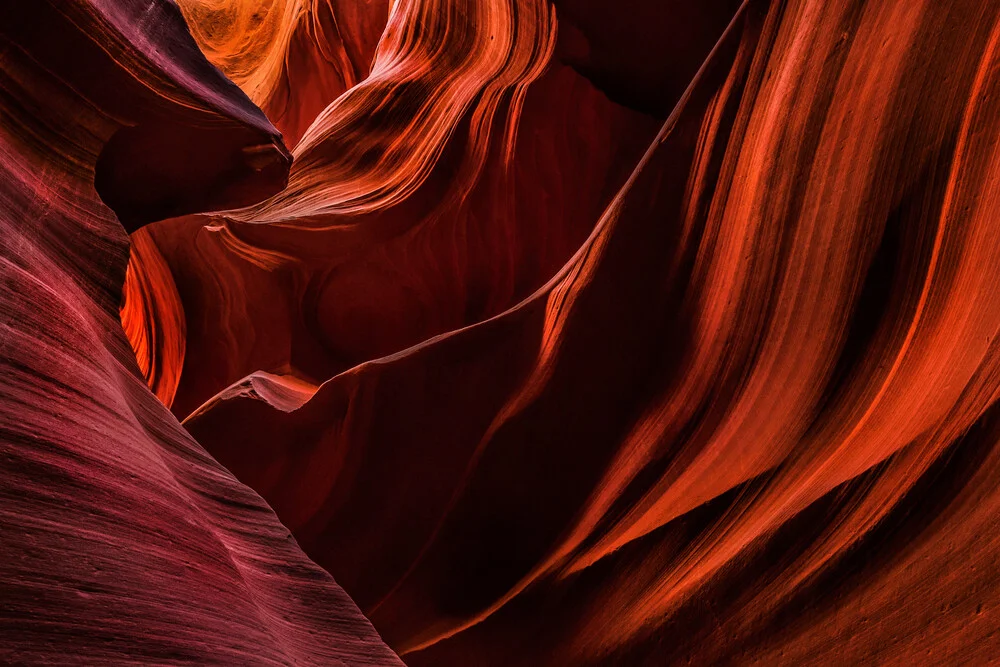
(500, 332)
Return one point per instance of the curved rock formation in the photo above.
(123, 540)
(582, 334)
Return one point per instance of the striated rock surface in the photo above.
(575, 333)
(123, 541)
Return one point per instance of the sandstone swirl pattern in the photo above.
(581, 333)
(123, 541)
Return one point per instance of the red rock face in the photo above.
(574, 333)
(123, 540)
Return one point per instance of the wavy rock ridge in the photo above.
(123, 540)
(580, 335)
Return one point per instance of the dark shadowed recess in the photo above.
(641, 54)
(177, 153)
